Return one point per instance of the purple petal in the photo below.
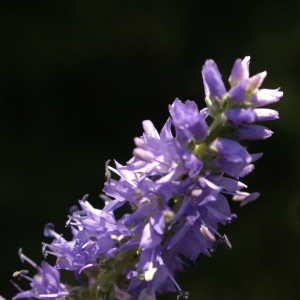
(178, 235)
(238, 91)
(212, 79)
(240, 71)
(266, 114)
(158, 222)
(253, 132)
(149, 129)
(150, 237)
(240, 115)
(255, 81)
(265, 96)
(231, 150)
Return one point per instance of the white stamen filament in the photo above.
(31, 262)
(214, 230)
(174, 281)
(115, 171)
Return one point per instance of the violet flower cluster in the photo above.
(176, 184)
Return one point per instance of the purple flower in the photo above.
(91, 239)
(44, 285)
(189, 123)
(212, 80)
(162, 155)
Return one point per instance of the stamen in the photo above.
(115, 171)
(233, 218)
(49, 231)
(85, 245)
(44, 251)
(47, 228)
(73, 209)
(93, 238)
(226, 242)
(196, 193)
(117, 239)
(80, 215)
(23, 257)
(249, 199)
(18, 273)
(53, 295)
(183, 295)
(68, 223)
(214, 230)
(222, 241)
(21, 274)
(107, 172)
(105, 198)
(149, 274)
(55, 254)
(168, 216)
(89, 266)
(16, 286)
(174, 281)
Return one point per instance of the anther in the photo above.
(48, 229)
(73, 209)
(183, 295)
(222, 241)
(92, 238)
(44, 252)
(207, 234)
(226, 242)
(104, 198)
(168, 216)
(149, 274)
(107, 172)
(21, 255)
(80, 215)
(233, 218)
(20, 273)
(68, 223)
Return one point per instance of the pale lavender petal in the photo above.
(266, 114)
(255, 81)
(149, 129)
(265, 96)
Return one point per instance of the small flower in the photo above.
(44, 285)
(189, 123)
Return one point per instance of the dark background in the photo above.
(77, 79)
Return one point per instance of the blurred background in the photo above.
(78, 77)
